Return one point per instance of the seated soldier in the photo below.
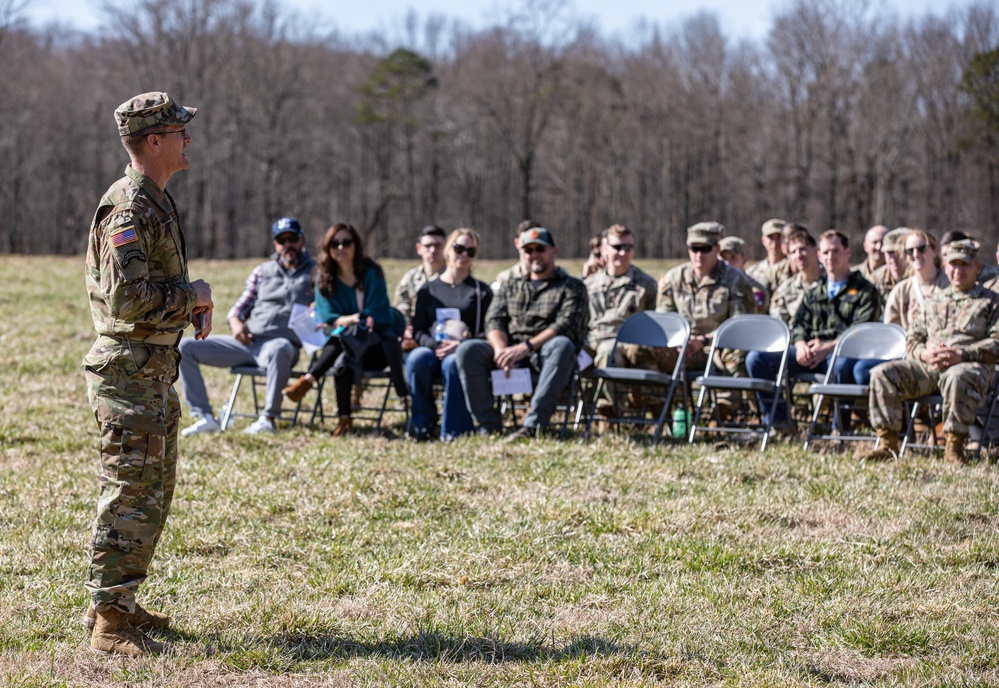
(430, 248)
(804, 257)
(733, 251)
(907, 298)
(896, 265)
(952, 349)
(988, 273)
(774, 269)
(872, 248)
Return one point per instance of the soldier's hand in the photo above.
(203, 323)
(204, 292)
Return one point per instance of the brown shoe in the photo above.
(115, 636)
(140, 618)
(888, 447)
(297, 389)
(343, 427)
(954, 449)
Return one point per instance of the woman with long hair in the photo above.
(906, 299)
(350, 291)
(438, 333)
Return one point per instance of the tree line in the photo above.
(843, 117)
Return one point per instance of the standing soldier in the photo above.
(952, 347)
(141, 299)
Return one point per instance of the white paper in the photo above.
(305, 325)
(519, 382)
(445, 314)
(584, 360)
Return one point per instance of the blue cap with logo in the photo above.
(286, 225)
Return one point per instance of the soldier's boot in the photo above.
(888, 447)
(114, 635)
(140, 618)
(954, 449)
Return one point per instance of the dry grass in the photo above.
(297, 560)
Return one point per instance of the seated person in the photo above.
(435, 353)
(803, 255)
(733, 252)
(350, 290)
(430, 248)
(520, 268)
(952, 348)
(906, 299)
(539, 320)
(896, 267)
(775, 268)
(873, 257)
(595, 261)
(260, 332)
(827, 310)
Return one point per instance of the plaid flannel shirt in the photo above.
(522, 310)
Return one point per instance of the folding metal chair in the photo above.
(254, 373)
(747, 333)
(567, 404)
(870, 340)
(651, 329)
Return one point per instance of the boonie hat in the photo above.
(894, 241)
(709, 233)
(733, 244)
(149, 109)
(286, 225)
(965, 250)
(537, 235)
(773, 226)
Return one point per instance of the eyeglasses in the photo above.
(462, 250)
(287, 239)
(618, 248)
(342, 243)
(435, 245)
(700, 248)
(182, 132)
(911, 252)
(533, 248)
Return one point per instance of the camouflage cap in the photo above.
(894, 241)
(965, 250)
(733, 244)
(537, 235)
(773, 226)
(709, 233)
(149, 109)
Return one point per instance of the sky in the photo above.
(740, 19)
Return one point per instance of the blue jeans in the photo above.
(422, 368)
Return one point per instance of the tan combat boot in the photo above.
(888, 447)
(113, 635)
(954, 449)
(140, 618)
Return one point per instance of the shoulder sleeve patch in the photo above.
(125, 235)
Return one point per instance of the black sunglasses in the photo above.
(463, 250)
(287, 239)
(342, 243)
(700, 248)
(617, 248)
(915, 249)
(533, 248)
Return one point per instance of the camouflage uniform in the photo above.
(612, 301)
(790, 294)
(405, 293)
(906, 300)
(865, 271)
(141, 300)
(884, 281)
(965, 320)
(989, 274)
(771, 276)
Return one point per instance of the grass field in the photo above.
(299, 560)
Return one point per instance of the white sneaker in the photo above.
(262, 424)
(202, 424)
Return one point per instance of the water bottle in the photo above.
(681, 421)
(440, 334)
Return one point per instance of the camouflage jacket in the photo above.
(708, 302)
(884, 281)
(760, 295)
(865, 271)
(788, 296)
(770, 276)
(615, 299)
(823, 318)
(405, 293)
(965, 320)
(906, 300)
(521, 310)
(137, 262)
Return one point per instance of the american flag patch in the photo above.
(125, 236)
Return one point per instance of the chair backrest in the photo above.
(651, 328)
(872, 340)
(753, 333)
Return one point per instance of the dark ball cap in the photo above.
(286, 225)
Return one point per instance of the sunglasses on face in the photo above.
(341, 243)
(618, 248)
(700, 248)
(533, 248)
(915, 249)
(462, 250)
(287, 239)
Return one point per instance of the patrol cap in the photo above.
(773, 226)
(965, 250)
(537, 235)
(149, 109)
(709, 233)
(733, 244)
(286, 225)
(894, 241)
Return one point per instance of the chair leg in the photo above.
(697, 415)
(230, 405)
(815, 417)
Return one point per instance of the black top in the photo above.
(471, 298)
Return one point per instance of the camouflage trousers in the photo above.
(963, 386)
(130, 387)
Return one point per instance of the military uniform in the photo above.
(790, 294)
(405, 293)
(989, 274)
(866, 271)
(968, 321)
(906, 300)
(884, 281)
(771, 276)
(612, 301)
